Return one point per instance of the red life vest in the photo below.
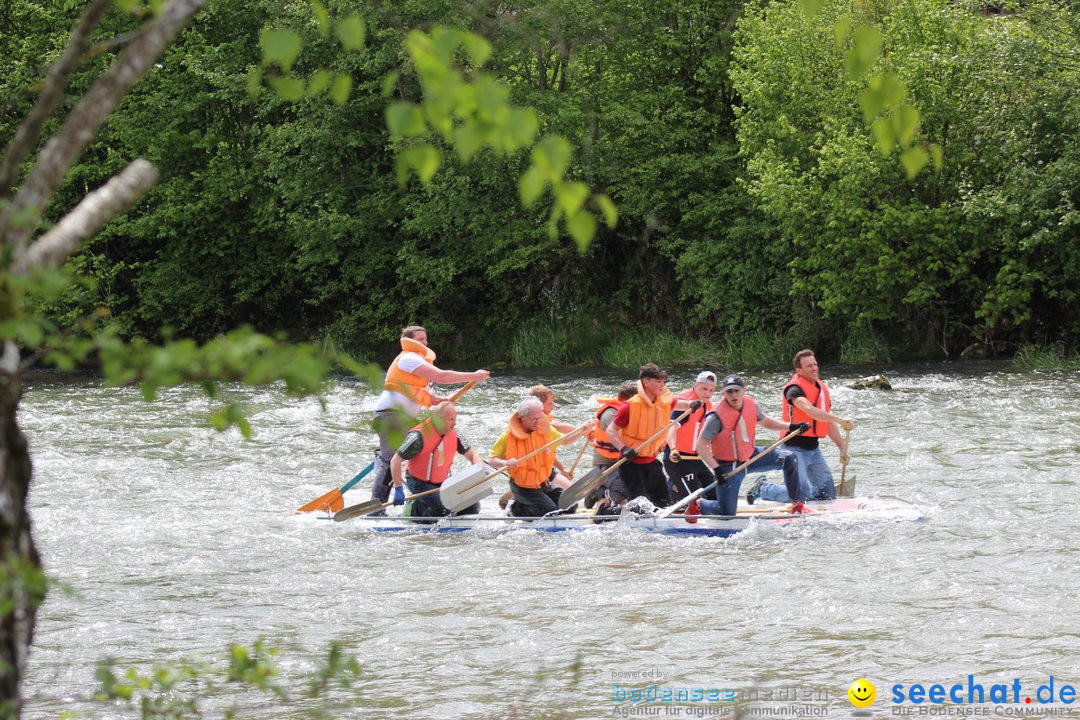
(600, 442)
(412, 386)
(432, 464)
(735, 441)
(686, 435)
(535, 471)
(817, 394)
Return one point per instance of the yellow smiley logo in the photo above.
(862, 693)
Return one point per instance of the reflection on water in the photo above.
(177, 540)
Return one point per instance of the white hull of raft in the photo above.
(840, 510)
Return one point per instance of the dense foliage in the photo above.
(752, 200)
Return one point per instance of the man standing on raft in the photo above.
(406, 390)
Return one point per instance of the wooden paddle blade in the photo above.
(580, 488)
(364, 508)
(456, 494)
(331, 502)
(847, 489)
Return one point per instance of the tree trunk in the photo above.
(21, 590)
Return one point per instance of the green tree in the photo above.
(970, 253)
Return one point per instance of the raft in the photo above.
(843, 510)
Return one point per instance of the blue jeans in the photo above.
(815, 479)
(779, 459)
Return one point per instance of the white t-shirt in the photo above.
(390, 399)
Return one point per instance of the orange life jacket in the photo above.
(600, 442)
(647, 417)
(735, 441)
(533, 472)
(432, 464)
(686, 434)
(818, 395)
(406, 383)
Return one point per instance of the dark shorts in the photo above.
(648, 480)
(534, 502)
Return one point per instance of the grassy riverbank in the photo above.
(1046, 357)
(555, 344)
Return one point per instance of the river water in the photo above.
(169, 540)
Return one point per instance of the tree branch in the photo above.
(64, 148)
(99, 207)
(29, 130)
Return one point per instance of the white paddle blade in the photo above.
(455, 493)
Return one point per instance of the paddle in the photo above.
(591, 479)
(698, 493)
(370, 506)
(333, 500)
(844, 462)
(578, 458)
(455, 493)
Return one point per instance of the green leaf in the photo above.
(424, 159)
(254, 81)
(531, 186)
(571, 196)
(882, 92)
(521, 127)
(865, 50)
(883, 133)
(840, 31)
(914, 159)
(404, 119)
(288, 88)
(351, 31)
(582, 227)
(279, 46)
(937, 154)
(322, 17)
(478, 48)
(318, 82)
(30, 334)
(389, 83)
(607, 206)
(339, 90)
(905, 121)
(468, 140)
(427, 163)
(552, 155)
(811, 8)
(871, 102)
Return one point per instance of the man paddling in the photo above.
(530, 479)
(429, 449)
(806, 400)
(684, 468)
(637, 420)
(406, 390)
(727, 439)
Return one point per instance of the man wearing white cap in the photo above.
(727, 440)
(686, 473)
